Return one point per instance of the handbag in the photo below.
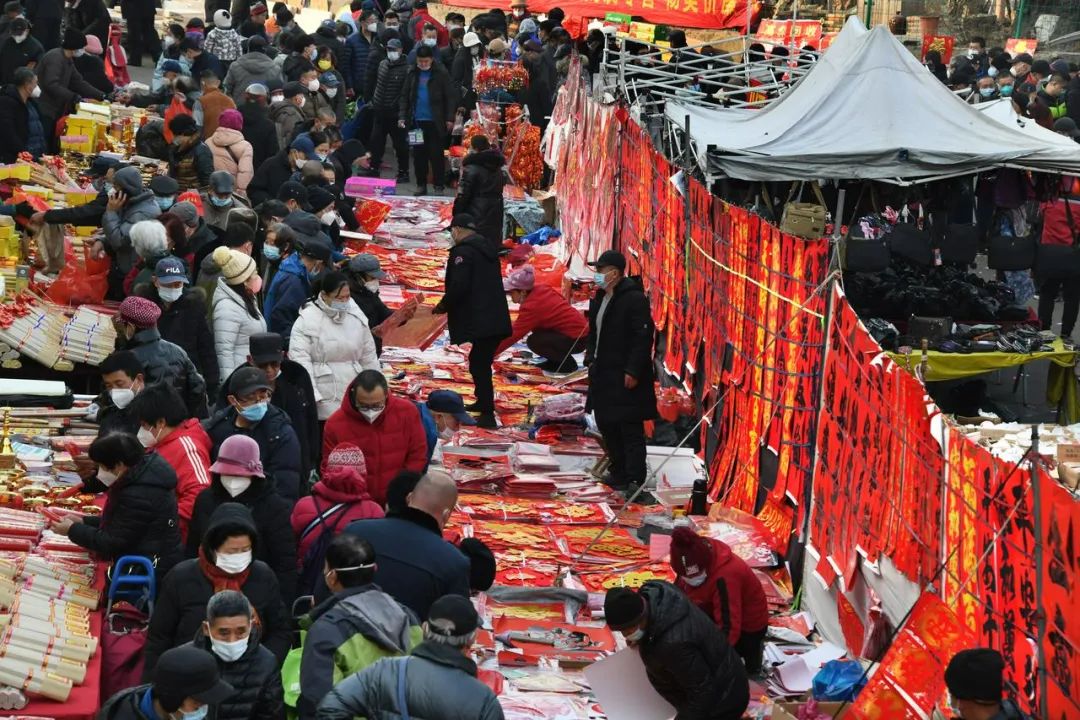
(1011, 253)
(859, 254)
(958, 242)
(1059, 262)
(805, 220)
(908, 240)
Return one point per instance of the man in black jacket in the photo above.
(432, 111)
(475, 304)
(19, 49)
(259, 129)
(20, 118)
(90, 17)
(364, 273)
(100, 173)
(141, 34)
(620, 359)
(186, 680)
(386, 104)
(480, 192)
(687, 659)
(121, 379)
(45, 16)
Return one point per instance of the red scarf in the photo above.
(220, 579)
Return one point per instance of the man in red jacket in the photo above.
(721, 583)
(165, 428)
(555, 329)
(387, 430)
(422, 17)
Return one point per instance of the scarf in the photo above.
(221, 580)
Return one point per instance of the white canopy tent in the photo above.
(868, 110)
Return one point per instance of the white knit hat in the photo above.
(236, 267)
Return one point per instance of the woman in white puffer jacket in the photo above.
(236, 311)
(331, 340)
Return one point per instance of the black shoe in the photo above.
(614, 483)
(422, 190)
(487, 421)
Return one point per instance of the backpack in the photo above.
(312, 563)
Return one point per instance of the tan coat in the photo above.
(233, 154)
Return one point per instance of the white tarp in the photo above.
(868, 110)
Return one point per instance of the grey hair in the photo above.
(149, 239)
(227, 603)
(434, 631)
(22, 76)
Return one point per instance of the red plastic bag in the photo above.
(81, 284)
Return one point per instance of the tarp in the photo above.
(701, 14)
(867, 110)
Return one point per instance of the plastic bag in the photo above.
(839, 680)
(567, 407)
(79, 285)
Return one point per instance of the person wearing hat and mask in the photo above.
(386, 105)
(289, 113)
(324, 207)
(165, 190)
(160, 98)
(12, 9)
(440, 680)
(223, 40)
(255, 24)
(129, 203)
(359, 46)
(220, 198)
(165, 428)
(447, 414)
(140, 512)
(552, 328)
(253, 67)
(465, 61)
(476, 309)
(231, 635)
(258, 129)
(236, 315)
(364, 273)
(725, 588)
(186, 681)
(249, 412)
(428, 102)
(337, 499)
(480, 191)
(91, 65)
(21, 117)
(237, 477)
(294, 279)
(331, 93)
(190, 160)
(294, 196)
(496, 49)
(687, 659)
(974, 679)
(101, 173)
(18, 49)
(162, 361)
(61, 84)
(201, 61)
(199, 234)
(619, 355)
(226, 561)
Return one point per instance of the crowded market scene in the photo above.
(562, 360)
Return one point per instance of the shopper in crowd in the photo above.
(278, 245)
(250, 413)
(974, 678)
(61, 84)
(356, 626)
(552, 328)
(142, 36)
(18, 49)
(253, 67)
(359, 45)
(386, 108)
(293, 281)
(165, 190)
(231, 151)
(190, 160)
(1060, 227)
(236, 310)
(722, 585)
(415, 564)
(331, 93)
(129, 203)
(200, 60)
(91, 18)
(162, 361)
(122, 379)
(21, 117)
(91, 65)
(238, 477)
(258, 129)
(448, 413)
(231, 634)
(480, 191)
(439, 677)
(234, 234)
(140, 512)
(385, 427)
(620, 356)
(150, 243)
(428, 103)
(213, 102)
(186, 683)
(223, 40)
(364, 273)
(255, 24)
(476, 309)
(340, 496)
(165, 427)
(271, 176)
(225, 562)
(687, 659)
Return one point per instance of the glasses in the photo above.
(368, 406)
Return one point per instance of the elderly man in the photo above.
(20, 117)
(61, 84)
(130, 202)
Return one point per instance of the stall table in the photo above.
(952, 366)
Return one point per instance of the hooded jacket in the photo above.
(125, 705)
(348, 632)
(270, 511)
(286, 116)
(338, 485)
(233, 154)
(731, 595)
(255, 680)
(278, 446)
(139, 517)
(184, 323)
(389, 83)
(164, 362)
(480, 192)
(260, 131)
(290, 289)
(226, 44)
(269, 177)
(182, 597)
(140, 206)
(475, 301)
(334, 347)
(252, 67)
(688, 660)
(394, 442)
(440, 684)
(187, 450)
(233, 327)
(191, 167)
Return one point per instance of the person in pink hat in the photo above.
(91, 64)
(552, 328)
(237, 477)
(232, 153)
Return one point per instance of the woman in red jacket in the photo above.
(555, 329)
(721, 583)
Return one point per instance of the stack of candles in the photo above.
(36, 334)
(88, 337)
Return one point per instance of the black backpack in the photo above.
(315, 556)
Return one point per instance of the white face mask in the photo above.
(446, 433)
(235, 484)
(36, 92)
(328, 218)
(300, 163)
(331, 93)
(313, 86)
(393, 56)
(372, 27)
(430, 42)
(234, 563)
(229, 651)
(303, 101)
(371, 415)
(697, 580)
(170, 294)
(122, 397)
(106, 477)
(80, 53)
(276, 99)
(992, 71)
(20, 38)
(168, 41)
(372, 285)
(147, 437)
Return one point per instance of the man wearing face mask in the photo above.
(1021, 69)
(359, 46)
(250, 413)
(1005, 84)
(289, 113)
(974, 680)
(19, 49)
(293, 281)
(254, 66)
(620, 359)
(687, 659)
(187, 683)
(231, 635)
(365, 272)
(386, 104)
(61, 84)
(122, 379)
(21, 118)
(447, 411)
(190, 161)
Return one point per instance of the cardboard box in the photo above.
(790, 710)
(1068, 453)
(546, 198)
(1069, 474)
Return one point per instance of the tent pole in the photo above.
(870, 11)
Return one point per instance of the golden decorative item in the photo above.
(7, 454)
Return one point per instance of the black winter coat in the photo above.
(372, 306)
(140, 516)
(441, 97)
(91, 17)
(272, 513)
(625, 346)
(475, 301)
(539, 96)
(125, 705)
(688, 659)
(15, 55)
(278, 446)
(92, 68)
(15, 119)
(164, 361)
(274, 172)
(255, 679)
(86, 215)
(260, 131)
(389, 84)
(461, 73)
(184, 323)
(480, 193)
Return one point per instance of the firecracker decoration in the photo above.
(510, 77)
(522, 148)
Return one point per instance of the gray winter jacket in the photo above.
(440, 684)
(286, 116)
(253, 67)
(140, 206)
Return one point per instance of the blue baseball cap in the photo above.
(170, 269)
(171, 66)
(303, 144)
(449, 402)
(329, 79)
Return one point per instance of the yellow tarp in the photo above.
(951, 366)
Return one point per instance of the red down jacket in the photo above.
(187, 449)
(338, 485)
(731, 594)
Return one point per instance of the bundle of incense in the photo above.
(88, 337)
(60, 626)
(69, 647)
(69, 669)
(36, 564)
(34, 680)
(12, 699)
(36, 335)
(51, 588)
(52, 582)
(54, 611)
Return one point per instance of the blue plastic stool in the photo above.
(135, 587)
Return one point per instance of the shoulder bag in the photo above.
(1009, 252)
(860, 254)
(909, 240)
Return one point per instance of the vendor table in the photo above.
(952, 366)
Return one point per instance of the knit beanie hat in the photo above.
(236, 267)
(347, 455)
(691, 554)
(975, 674)
(623, 607)
(231, 119)
(222, 19)
(139, 311)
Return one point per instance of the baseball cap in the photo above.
(170, 269)
(452, 616)
(100, 166)
(222, 182)
(449, 402)
(247, 380)
(293, 88)
(164, 185)
(393, 44)
(303, 144)
(187, 212)
(292, 190)
(367, 264)
(329, 79)
(609, 258)
(266, 348)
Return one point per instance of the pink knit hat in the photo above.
(139, 311)
(347, 455)
(524, 278)
(93, 45)
(239, 455)
(231, 119)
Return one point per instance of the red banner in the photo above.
(1019, 46)
(942, 43)
(790, 33)
(704, 14)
